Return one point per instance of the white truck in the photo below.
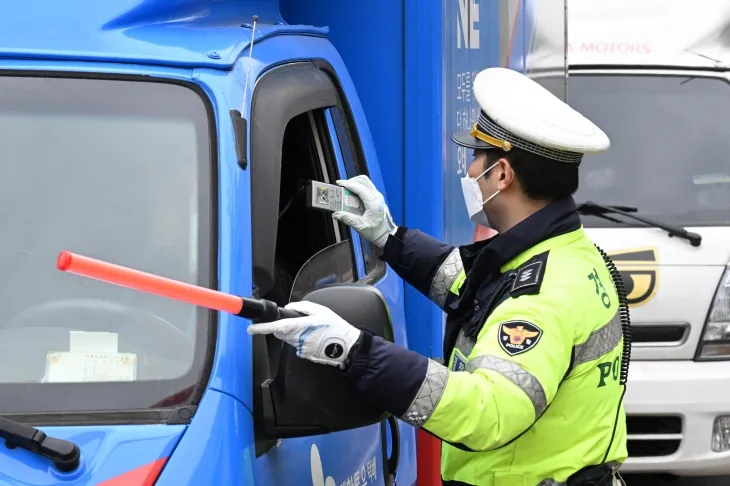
(655, 75)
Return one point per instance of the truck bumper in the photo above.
(671, 407)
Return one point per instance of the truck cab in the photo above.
(656, 77)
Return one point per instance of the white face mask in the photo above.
(473, 198)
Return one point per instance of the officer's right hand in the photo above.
(376, 224)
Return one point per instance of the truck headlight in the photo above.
(715, 342)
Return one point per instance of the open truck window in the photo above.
(120, 170)
(294, 139)
(670, 146)
(303, 232)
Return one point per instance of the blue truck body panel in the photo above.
(108, 451)
(217, 448)
(183, 33)
(408, 87)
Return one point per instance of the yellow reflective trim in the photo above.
(458, 282)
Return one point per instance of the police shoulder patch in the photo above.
(517, 337)
(529, 275)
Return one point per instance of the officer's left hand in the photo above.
(320, 336)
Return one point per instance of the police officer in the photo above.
(536, 335)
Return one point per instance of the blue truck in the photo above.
(175, 136)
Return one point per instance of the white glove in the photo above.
(320, 336)
(376, 224)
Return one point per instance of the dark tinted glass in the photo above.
(670, 146)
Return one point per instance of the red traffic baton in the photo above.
(259, 310)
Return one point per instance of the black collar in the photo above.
(484, 259)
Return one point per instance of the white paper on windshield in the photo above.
(80, 367)
(93, 357)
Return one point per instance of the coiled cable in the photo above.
(618, 284)
(623, 304)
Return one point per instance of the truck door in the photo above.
(318, 142)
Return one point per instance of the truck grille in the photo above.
(653, 435)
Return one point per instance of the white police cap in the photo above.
(518, 112)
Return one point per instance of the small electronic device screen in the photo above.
(331, 197)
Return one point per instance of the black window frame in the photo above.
(282, 92)
(170, 409)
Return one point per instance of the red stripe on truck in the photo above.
(142, 476)
(428, 450)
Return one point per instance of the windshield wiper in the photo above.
(593, 209)
(65, 455)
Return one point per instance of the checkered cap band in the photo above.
(487, 126)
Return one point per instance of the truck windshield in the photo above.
(118, 170)
(670, 146)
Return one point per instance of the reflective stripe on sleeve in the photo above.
(517, 375)
(600, 342)
(429, 395)
(445, 277)
(434, 385)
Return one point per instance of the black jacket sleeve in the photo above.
(430, 266)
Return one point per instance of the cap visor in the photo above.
(465, 139)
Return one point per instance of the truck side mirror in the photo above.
(301, 398)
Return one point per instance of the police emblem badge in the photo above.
(517, 337)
